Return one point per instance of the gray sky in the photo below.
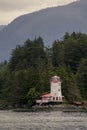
(10, 9)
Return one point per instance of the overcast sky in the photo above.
(10, 9)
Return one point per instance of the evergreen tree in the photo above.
(82, 78)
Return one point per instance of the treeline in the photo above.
(27, 74)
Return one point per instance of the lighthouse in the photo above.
(55, 94)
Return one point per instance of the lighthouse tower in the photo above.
(56, 95)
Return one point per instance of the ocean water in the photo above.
(54, 120)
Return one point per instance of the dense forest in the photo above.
(27, 74)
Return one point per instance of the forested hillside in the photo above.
(27, 74)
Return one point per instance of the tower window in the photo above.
(58, 89)
(59, 84)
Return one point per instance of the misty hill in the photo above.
(50, 24)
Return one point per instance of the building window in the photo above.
(59, 98)
(56, 98)
(53, 98)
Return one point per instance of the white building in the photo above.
(55, 94)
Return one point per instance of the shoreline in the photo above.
(63, 108)
(48, 108)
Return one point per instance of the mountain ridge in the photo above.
(51, 24)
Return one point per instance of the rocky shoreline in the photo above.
(48, 108)
(64, 108)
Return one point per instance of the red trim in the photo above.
(55, 81)
(46, 95)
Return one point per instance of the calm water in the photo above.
(42, 121)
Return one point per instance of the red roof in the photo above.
(46, 95)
